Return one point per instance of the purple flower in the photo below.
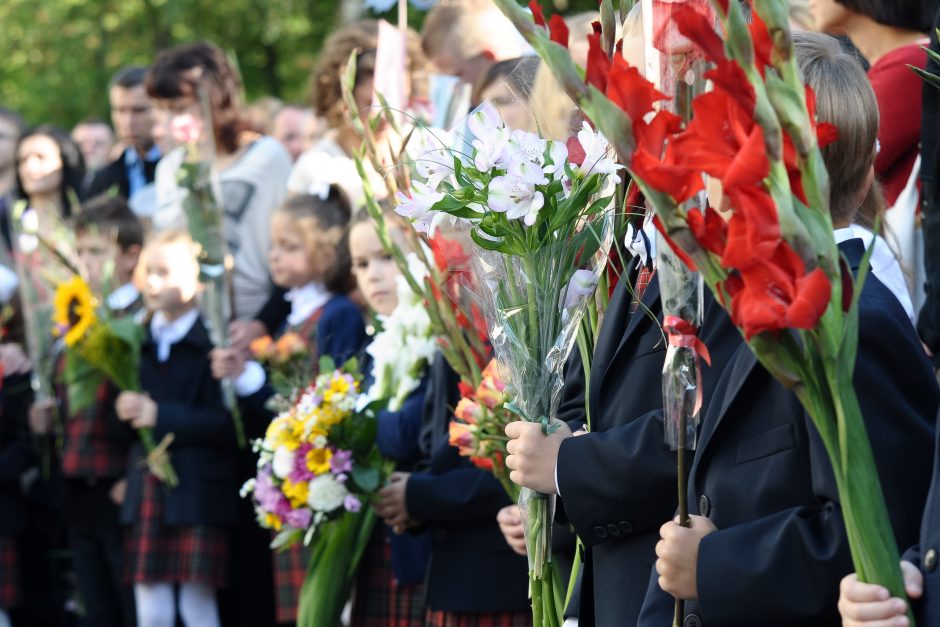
(300, 472)
(352, 504)
(298, 518)
(268, 496)
(341, 461)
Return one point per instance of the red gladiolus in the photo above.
(753, 230)
(763, 45)
(537, 16)
(598, 63)
(627, 89)
(729, 76)
(558, 30)
(776, 293)
(709, 229)
(700, 31)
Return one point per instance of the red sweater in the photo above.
(898, 91)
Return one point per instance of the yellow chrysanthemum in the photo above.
(296, 493)
(318, 460)
(272, 521)
(74, 310)
(282, 432)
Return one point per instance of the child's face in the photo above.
(94, 250)
(171, 277)
(291, 260)
(375, 270)
(514, 109)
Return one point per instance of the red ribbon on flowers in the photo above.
(684, 334)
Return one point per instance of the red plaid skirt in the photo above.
(9, 574)
(290, 569)
(157, 552)
(521, 618)
(379, 600)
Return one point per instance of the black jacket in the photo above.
(190, 406)
(472, 569)
(928, 322)
(618, 483)
(15, 453)
(762, 476)
(114, 176)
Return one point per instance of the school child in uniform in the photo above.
(309, 257)
(390, 584)
(767, 545)
(177, 550)
(95, 446)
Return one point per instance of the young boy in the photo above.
(767, 545)
(94, 455)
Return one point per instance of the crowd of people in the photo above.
(90, 537)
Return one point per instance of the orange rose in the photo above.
(261, 347)
(289, 345)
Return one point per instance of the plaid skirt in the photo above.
(9, 574)
(159, 553)
(519, 618)
(379, 600)
(290, 569)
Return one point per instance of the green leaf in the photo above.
(366, 477)
(327, 364)
(933, 79)
(484, 242)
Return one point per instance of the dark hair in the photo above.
(129, 77)
(844, 97)
(171, 77)
(915, 15)
(518, 73)
(111, 213)
(73, 166)
(332, 212)
(13, 118)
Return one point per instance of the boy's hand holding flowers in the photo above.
(677, 551)
(862, 604)
(138, 409)
(533, 456)
(227, 363)
(391, 506)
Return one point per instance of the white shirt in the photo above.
(884, 264)
(305, 300)
(123, 297)
(166, 333)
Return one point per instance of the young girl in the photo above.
(390, 585)
(177, 536)
(309, 257)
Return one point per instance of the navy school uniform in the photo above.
(390, 583)
(618, 483)
(179, 534)
(458, 503)
(15, 458)
(762, 476)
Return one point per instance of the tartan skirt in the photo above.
(379, 600)
(519, 618)
(290, 569)
(161, 553)
(9, 574)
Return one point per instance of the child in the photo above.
(177, 535)
(310, 258)
(95, 448)
(768, 544)
(389, 588)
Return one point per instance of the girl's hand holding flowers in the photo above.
(227, 363)
(391, 505)
(138, 409)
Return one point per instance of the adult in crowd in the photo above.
(95, 139)
(330, 160)
(289, 127)
(49, 171)
(132, 116)
(11, 127)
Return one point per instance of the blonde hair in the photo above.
(465, 28)
(844, 97)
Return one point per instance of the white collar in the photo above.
(304, 301)
(166, 333)
(123, 297)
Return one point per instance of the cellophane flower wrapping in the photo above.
(318, 470)
(540, 226)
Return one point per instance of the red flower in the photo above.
(558, 30)
(777, 293)
(598, 63)
(575, 150)
(753, 230)
(448, 254)
(701, 31)
(709, 229)
(627, 89)
(729, 76)
(763, 44)
(537, 16)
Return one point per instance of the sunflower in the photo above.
(74, 310)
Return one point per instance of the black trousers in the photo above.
(97, 542)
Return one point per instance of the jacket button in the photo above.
(626, 526)
(600, 532)
(704, 506)
(930, 560)
(613, 530)
(692, 620)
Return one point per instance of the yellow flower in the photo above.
(283, 432)
(318, 460)
(296, 493)
(74, 310)
(272, 521)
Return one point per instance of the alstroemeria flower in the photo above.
(597, 154)
(557, 157)
(582, 284)
(485, 122)
(417, 206)
(525, 146)
(516, 197)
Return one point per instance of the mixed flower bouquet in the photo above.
(319, 467)
(479, 426)
(774, 263)
(405, 346)
(101, 348)
(540, 223)
(288, 363)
